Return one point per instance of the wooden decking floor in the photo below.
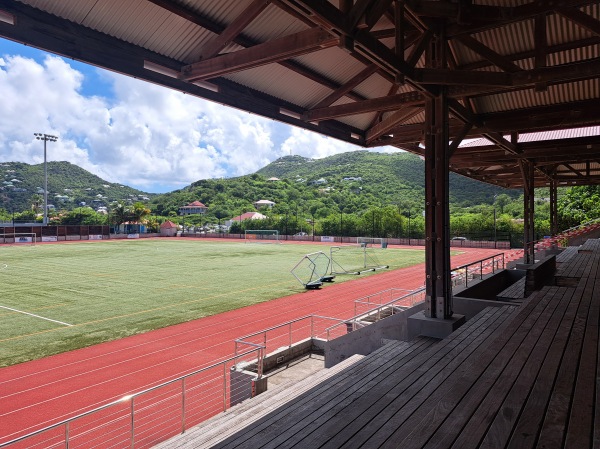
(523, 377)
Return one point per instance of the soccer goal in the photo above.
(312, 270)
(369, 241)
(261, 236)
(354, 259)
(19, 237)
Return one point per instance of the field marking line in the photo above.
(37, 316)
(136, 313)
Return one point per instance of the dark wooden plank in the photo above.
(515, 291)
(557, 414)
(463, 395)
(353, 406)
(543, 363)
(580, 426)
(394, 424)
(347, 424)
(368, 372)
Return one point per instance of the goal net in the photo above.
(369, 241)
(261, 236)
(19, 237)
(312, 270)
(354, 259)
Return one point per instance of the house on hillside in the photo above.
(195, 207)
(262, 203)
(319, 182)
(273, 179)
(245, 216)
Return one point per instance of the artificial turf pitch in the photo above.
(60, 297)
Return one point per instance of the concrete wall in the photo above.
(367, 339)
(286, 355)
(490, 285)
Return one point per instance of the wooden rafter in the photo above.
(483, 50)
(232, 31)
(390, 122)
(388, 103)
(347, 87)
(580, 18)
(273, 51)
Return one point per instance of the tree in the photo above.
(139, 212)
(37, 202)
(501, 201)
(120, 214)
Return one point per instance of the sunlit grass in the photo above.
(107, 290)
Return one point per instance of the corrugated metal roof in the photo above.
(151, 27)
(572, 133)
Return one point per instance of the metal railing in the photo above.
(476, 270)
(284, 335)
(143, 419)
(378, 311)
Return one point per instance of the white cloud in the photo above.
(138, 134)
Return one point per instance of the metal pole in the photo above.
(495, 239)
(45, 138)
(183, 405)
(224, 386)
(132, 424)
(45, 185)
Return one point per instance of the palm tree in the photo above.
(120, 214)
(36, 203)
(139, 211)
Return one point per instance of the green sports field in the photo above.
(101, 291)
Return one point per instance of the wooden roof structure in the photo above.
(356, 70)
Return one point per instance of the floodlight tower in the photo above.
(45, 138)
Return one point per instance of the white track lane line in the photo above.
(37, 316)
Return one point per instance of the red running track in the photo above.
(36, 394)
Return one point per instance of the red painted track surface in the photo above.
(36, 394)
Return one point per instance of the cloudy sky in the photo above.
(128, 131)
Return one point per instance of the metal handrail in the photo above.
(124, 399)
(377, 309)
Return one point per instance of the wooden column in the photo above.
(553, 208)
(437, 217)
(527, 170)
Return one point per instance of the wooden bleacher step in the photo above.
(227, 423)
(224, 424)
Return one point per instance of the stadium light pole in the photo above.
(45, 138)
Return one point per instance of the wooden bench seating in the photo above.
(515, 293)
(566, 254)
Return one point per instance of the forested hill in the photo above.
(389, 174)
(68, 185)
(354, 182)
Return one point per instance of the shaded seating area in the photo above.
(514, 376)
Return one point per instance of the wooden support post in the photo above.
(553, 208)
(437, 217)
(527, 171)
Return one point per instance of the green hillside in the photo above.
(393, 176)
(354, 182)
(68, 186)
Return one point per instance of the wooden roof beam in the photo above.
(347, 87)
(390, 122)
(580, 18)
(233, 30)
(486, 52)
(508, 15)
(245, 42)
(286, 47)
(388, 103)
